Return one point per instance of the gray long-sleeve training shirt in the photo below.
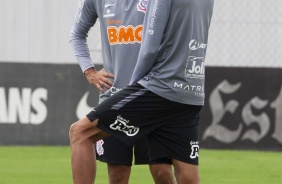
(172, 54)
(121, 28)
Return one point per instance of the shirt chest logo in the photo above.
(142, 6)
(124, 34)
(109, 7)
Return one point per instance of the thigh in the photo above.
(118, 173)
(186, 173)
(85, 129)
(131, 113)
(142, 156)
(178, 138)
(135, 112)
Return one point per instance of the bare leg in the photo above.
(83, 134)
(186, 173)
(162, 173)
(118, 174)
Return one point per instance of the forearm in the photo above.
(81, 51)
(153, 29)
(86, 18)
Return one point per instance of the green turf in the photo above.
(51, 165)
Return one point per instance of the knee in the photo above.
(187, 177)
(190, 180)
(162, 174)
(74, 134)
(118, 174)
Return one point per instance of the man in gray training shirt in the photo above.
(121, 26)
(165, 95)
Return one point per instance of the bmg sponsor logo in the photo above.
(124, 34)
(195, 67)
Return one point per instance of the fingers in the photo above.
(104, 80)
(101, 80)
(108, 75)
(106, 85)
(100, 88)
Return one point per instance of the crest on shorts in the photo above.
(142, 5)
(99, 147)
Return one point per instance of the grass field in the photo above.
(51, 165)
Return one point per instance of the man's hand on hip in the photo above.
(99, 79)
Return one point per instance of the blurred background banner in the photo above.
(38, 102)
(42, 89)
(243, 105)
(243, 109)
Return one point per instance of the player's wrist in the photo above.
(89, 70)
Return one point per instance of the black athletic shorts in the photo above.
(171, 128)
(114, 151)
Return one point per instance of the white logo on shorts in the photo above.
(194, 149)
(99, 147)
(120, 124)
